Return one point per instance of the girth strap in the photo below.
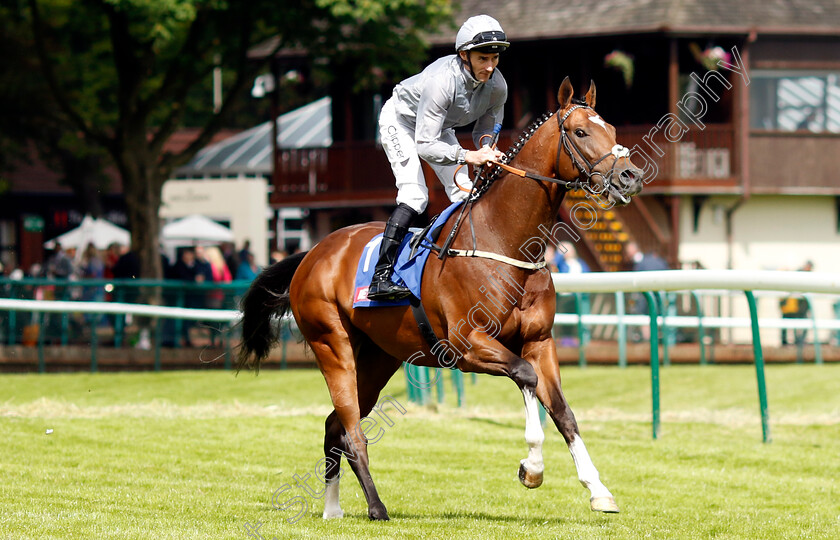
(496, 257)
(423, 323)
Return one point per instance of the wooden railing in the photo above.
(699, 160)
(345, 171)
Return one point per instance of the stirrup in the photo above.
(387, 290)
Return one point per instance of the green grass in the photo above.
(198, 455)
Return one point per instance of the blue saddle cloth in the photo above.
(408, 270)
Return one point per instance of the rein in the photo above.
(565, 143)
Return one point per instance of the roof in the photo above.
(249, 152)
(525, 20)
(531, 20)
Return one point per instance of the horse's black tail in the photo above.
(267, 298)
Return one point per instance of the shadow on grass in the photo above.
(501, 517)
(480, 516)
(496, 423)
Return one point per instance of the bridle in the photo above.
(587, 169)
(564, 143)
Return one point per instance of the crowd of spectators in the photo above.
(196, 264)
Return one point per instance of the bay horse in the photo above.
(506, 331)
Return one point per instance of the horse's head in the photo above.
(590, 146)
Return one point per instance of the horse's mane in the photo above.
(486, 178)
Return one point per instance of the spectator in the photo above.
(219, 274)
(92, 268)
(638, 261)
(127, 266)
(277, 256)
(36, 270)
(244, 252)
(203, 270)
(187, 270)
(550, 258)
(60, 265)
(92, 265)
(248, 269)
(218, 266)
(231, 258)
(112, 255)
(567, 260)
(794, 306)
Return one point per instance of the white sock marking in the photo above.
(534, 435)
(587, 473)
(332, 509)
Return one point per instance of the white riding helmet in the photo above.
(481, 32)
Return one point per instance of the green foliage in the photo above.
(124, 75)
(126, 61)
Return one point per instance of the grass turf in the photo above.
(198, 455)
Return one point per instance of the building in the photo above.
(229, 180)
(742, 153)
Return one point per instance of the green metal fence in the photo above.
(188, 301)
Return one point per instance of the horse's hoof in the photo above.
(603, 504)
(530, 480)
(378, 513)
(333, 514)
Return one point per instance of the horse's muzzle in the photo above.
(631, 181)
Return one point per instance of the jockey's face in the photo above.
(483, 63)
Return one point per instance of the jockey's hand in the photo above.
(482, 156)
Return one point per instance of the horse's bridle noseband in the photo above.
(589, 171)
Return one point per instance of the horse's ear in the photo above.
(590, 96)
(564, 96)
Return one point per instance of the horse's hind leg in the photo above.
(354, 393)
(332, 439)
(551, 395)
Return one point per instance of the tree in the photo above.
(118, 73)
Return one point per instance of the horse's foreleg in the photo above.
(551, 395)
(601, 500)
(531, 468)
(493, 358)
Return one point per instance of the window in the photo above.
(795, 101)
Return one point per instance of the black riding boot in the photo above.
(381, 286)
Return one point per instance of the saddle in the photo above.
(411, 260)
(408, 270)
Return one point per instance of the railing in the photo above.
(707, 154)
(671, 280)
(361, 170)
(341, 171)
(642, 282)
(175, 293)
(98, 309)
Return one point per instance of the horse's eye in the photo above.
(580, 133)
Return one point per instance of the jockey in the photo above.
(418, 121)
